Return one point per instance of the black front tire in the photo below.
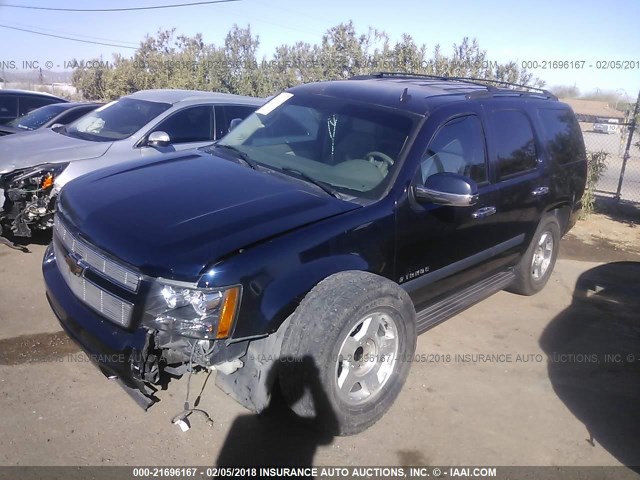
(315, 368)
(535, 267)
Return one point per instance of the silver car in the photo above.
(34, 166)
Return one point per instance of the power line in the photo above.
(67, 38)
(13, 24)
(156, 7)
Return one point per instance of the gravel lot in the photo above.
(532, 405)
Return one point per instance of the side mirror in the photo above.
(448, 189)
(159, 139)
(234, 123)
(56, 125)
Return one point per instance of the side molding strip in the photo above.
(431, 277)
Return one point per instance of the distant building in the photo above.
(589, 111)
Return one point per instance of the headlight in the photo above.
(34, 178)
(192, 312)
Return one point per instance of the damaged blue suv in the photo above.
(308, 248)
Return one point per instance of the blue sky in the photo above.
(524, 31)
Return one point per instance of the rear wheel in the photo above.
(536, 266)
(346, 351)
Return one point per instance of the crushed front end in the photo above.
(29, 199)
(138, 329)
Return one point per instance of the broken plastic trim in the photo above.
(140, 398)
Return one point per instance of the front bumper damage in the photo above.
(142, 360)
(24, 210)
(112, 349)
(28, 199)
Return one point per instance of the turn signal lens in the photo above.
(228, 313)
(48, 181)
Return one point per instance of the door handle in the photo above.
(540, 191)
(484, 212)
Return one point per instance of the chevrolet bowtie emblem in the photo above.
(75, 263)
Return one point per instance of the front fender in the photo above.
(277, 274)
(283, 295)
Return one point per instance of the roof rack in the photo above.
(475, 81)
(511, 84)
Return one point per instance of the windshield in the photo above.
(37, 117)
(115, 120)
(350, 147)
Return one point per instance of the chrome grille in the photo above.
(108, 305)
(98, 262)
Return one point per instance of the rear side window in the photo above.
(237, 111)
(28, 104)
(226, 113)
(562, 136)
(8, 106)
(515, 145)
(192, 124)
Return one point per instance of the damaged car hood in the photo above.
(45, 146)
(174, 215)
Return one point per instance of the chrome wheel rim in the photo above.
(367, 358)
(542, 256)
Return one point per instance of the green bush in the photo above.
(596, 166)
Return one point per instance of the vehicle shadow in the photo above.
(593, 358)
(23, 243)
(278, 437)
(618, 210)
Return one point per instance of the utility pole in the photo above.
(625, 158)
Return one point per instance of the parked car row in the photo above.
(35, 165)
(56, 114)
(16, 103)
(304, 250)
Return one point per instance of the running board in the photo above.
(442, 310)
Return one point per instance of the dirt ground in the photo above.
(613, 233)
(545, 380)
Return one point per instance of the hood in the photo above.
(8, 130)
(45, 146)
(172, 216)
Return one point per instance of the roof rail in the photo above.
(484, 82)
(414, 75)
(510, 84)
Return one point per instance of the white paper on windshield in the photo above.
(274, 103)
(95, 126)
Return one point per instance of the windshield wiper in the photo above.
(324, 186)
(239, 154)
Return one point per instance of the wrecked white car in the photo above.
(34, 166)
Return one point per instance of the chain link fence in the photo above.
(621, 179)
